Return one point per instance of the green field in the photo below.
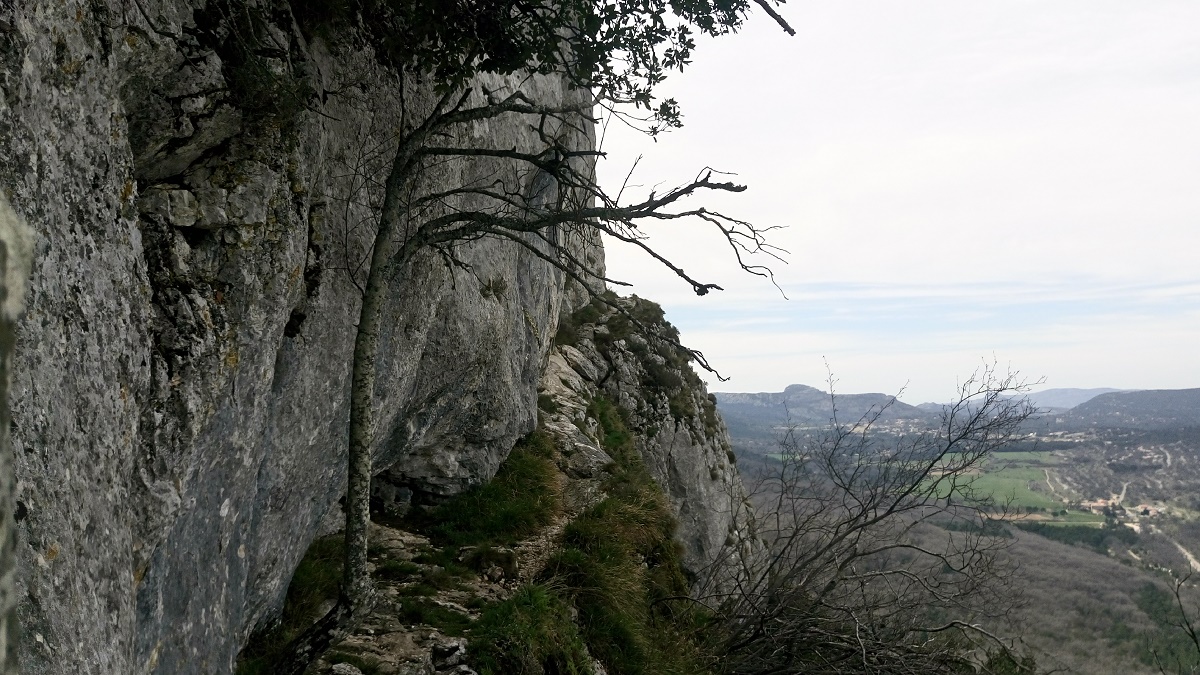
(1018, 479)
(1026, 458)
(1020, 486)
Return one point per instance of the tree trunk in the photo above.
(357, 596)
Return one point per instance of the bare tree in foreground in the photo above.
(1186, 622)
(845, 574)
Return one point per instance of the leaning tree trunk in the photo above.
(357, 596)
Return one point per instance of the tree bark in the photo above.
(357, 596)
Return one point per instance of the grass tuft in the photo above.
(621, 568)
(529, 634)
(317, 580)
(520, 500)
(419, 610)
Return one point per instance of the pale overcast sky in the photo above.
(960, 181)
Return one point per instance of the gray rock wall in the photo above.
(180, 389)
(15, 253)
(678, 431)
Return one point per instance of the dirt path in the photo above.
(1195, 564)
(1192, 561)
(1120, 499)
(1050, 481)
(1051, 486)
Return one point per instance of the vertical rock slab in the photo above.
(678, 431)
(15, 245)
(81, 360)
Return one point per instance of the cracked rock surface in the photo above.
(180, 386)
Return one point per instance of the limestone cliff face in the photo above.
(15, 252)
(179, 390)
(681, 437)
(180, 386)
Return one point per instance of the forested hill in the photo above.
(1150, 409)
(1067, 397)
(756, 415)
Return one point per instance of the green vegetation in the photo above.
(532, 632)
(317, 580)
(620, 567)
(396, 570)
(1026, 457)
(568, 326)
(1166, 644)
(420, 610)
(1099, 539)
(1012, 483)
(546, 403)
(522, 498)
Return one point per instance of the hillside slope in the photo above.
(1151, 409)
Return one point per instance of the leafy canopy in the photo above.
(620, 49)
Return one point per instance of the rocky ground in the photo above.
(394, 640)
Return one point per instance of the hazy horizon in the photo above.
(999, 181)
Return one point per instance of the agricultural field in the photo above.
(1029, 485)
(1101, 522)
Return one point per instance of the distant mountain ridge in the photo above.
(1069, 397)
(755, 415)
(1147, 409)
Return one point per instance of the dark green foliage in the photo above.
(1100, 539)
(711, 421)
(614, 435)
(568, 334)
(620, 565)
(522, 498)
(316, 581)
(546, 403)
(529, 634)
(1165, 644)
(396, 570)
(568, 326)
(261, 81)
(989, 528)
(419, 610)
(263, 89)
(445, 558)
(681, 404)
(621, 49)
(429, 581)
(1170, 645)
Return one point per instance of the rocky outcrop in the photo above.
(600, 351)
(180, 390)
